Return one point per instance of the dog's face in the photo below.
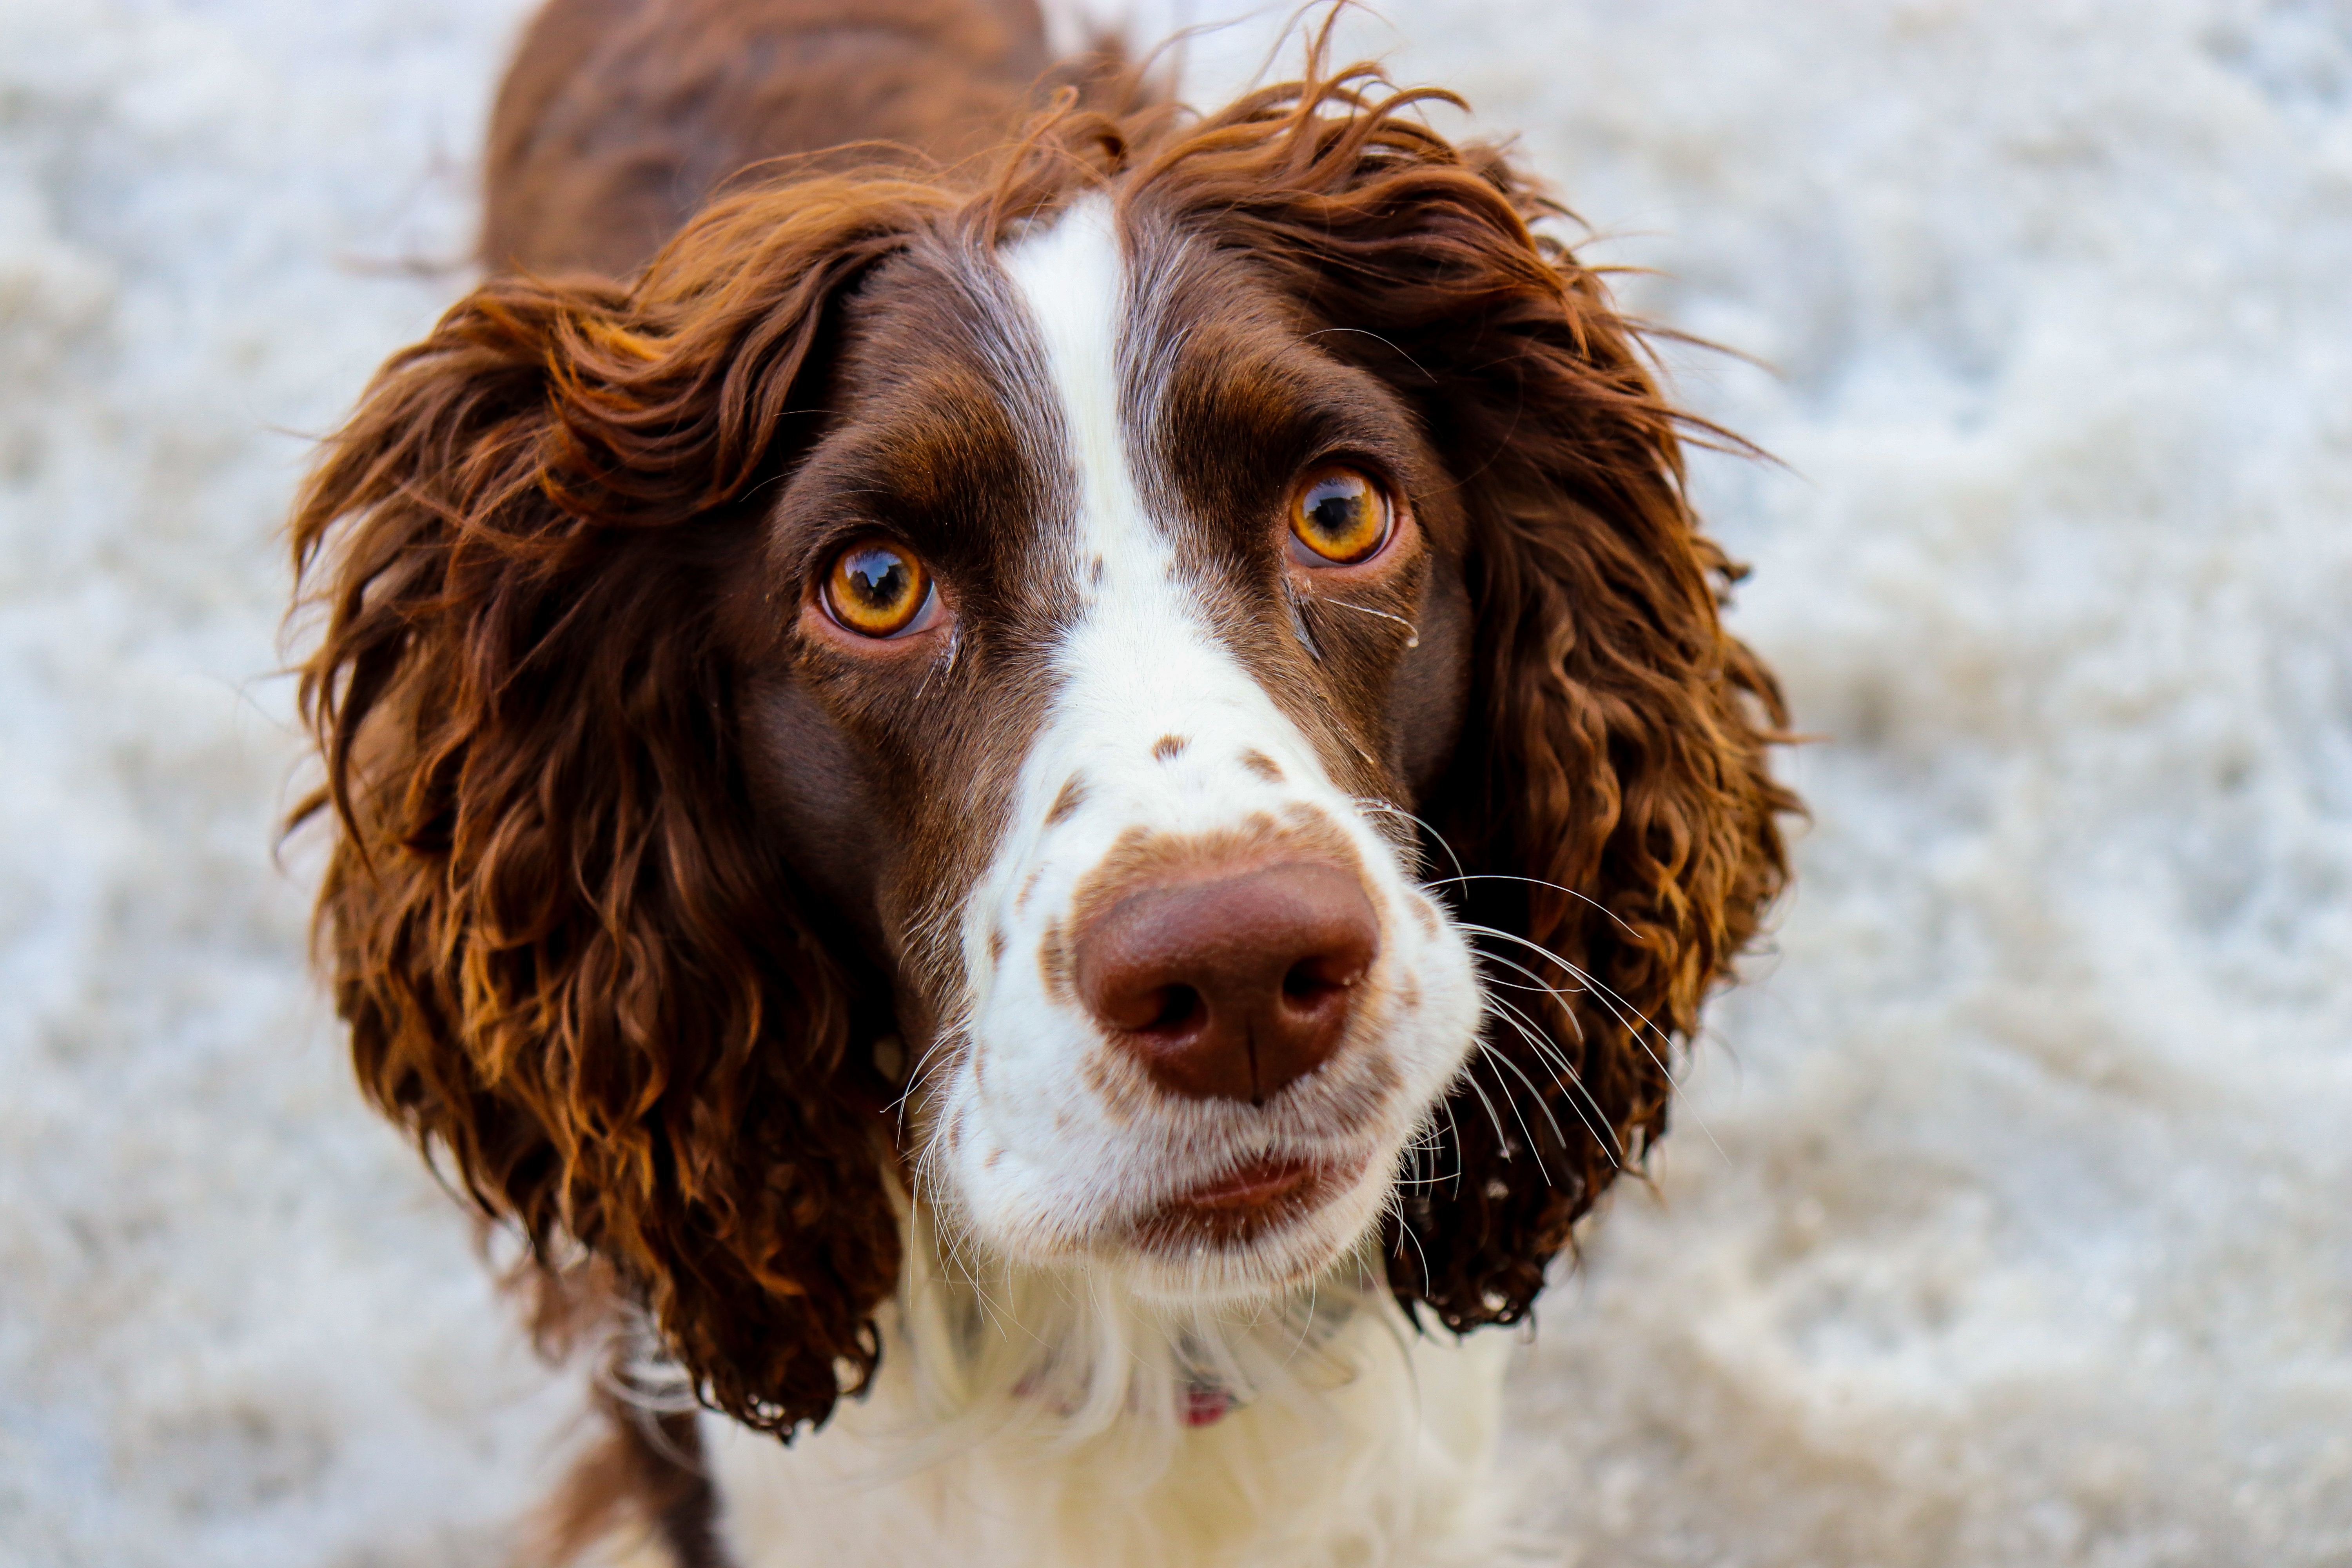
(1025, 619)
(1105, 645)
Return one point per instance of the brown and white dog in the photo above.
(1071, 771)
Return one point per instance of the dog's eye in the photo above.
(877, 590)
(1339, 517)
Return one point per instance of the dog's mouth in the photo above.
(1252, 1186)
(1251, 1200)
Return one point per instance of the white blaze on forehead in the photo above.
(1142, 660)
(1072, 280)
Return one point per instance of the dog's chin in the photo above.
(1256, 1234)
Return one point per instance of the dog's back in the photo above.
(620, 117)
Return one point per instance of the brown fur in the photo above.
(581, 957)
(1615, 746)
(622, 118)
(644, 1475)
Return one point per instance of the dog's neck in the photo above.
(1072, 1357)
(1044, 1418)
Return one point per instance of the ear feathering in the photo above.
(565, 955)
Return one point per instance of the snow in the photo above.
(2010, 1217)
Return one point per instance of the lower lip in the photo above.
(1253, 1186)
(1235, 1208)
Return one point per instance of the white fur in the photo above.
(1037, 1166)
(1024, 1423)
(1030, 1409)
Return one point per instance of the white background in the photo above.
(2019, 1230)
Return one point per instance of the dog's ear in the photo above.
(1609, 800)
(568, 965)
(1608, 803)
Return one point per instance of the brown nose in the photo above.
(1230, 989)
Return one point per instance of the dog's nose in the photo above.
(1231, 988)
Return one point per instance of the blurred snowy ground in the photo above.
(2018, 1229)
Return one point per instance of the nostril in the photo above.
(1180, 1008)
(1310, 980)
(1235, 986)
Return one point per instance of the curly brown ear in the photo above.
(567, 963)
(1608, 802)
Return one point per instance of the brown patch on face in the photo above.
(995, 943)
(1054, 964)
(865, 772)
(1073, 795)
(1120, 1086)
(1029, 887)
(1168, 748)
(1250, 401)
(1261, 764)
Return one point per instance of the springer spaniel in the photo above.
(1042, 803)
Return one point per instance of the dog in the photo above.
(1040, 785)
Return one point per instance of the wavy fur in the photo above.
(572, 965)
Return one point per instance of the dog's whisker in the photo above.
(1587, 985)
(1405, 1232)
(1412, 633)
(1539, 882)
(1535, 1149)
(1634, 1023)
(1502, 1138)
(1373, 803)
(1551, 1056)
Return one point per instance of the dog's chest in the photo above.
(1388, 1466)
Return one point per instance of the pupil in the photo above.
(1335, 515)
(879, 578)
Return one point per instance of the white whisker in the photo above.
(1539, 882)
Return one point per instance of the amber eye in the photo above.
(1341, 516)
(877, 589)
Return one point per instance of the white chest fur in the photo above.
(1039, 1422)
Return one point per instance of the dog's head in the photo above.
(1170, 694)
